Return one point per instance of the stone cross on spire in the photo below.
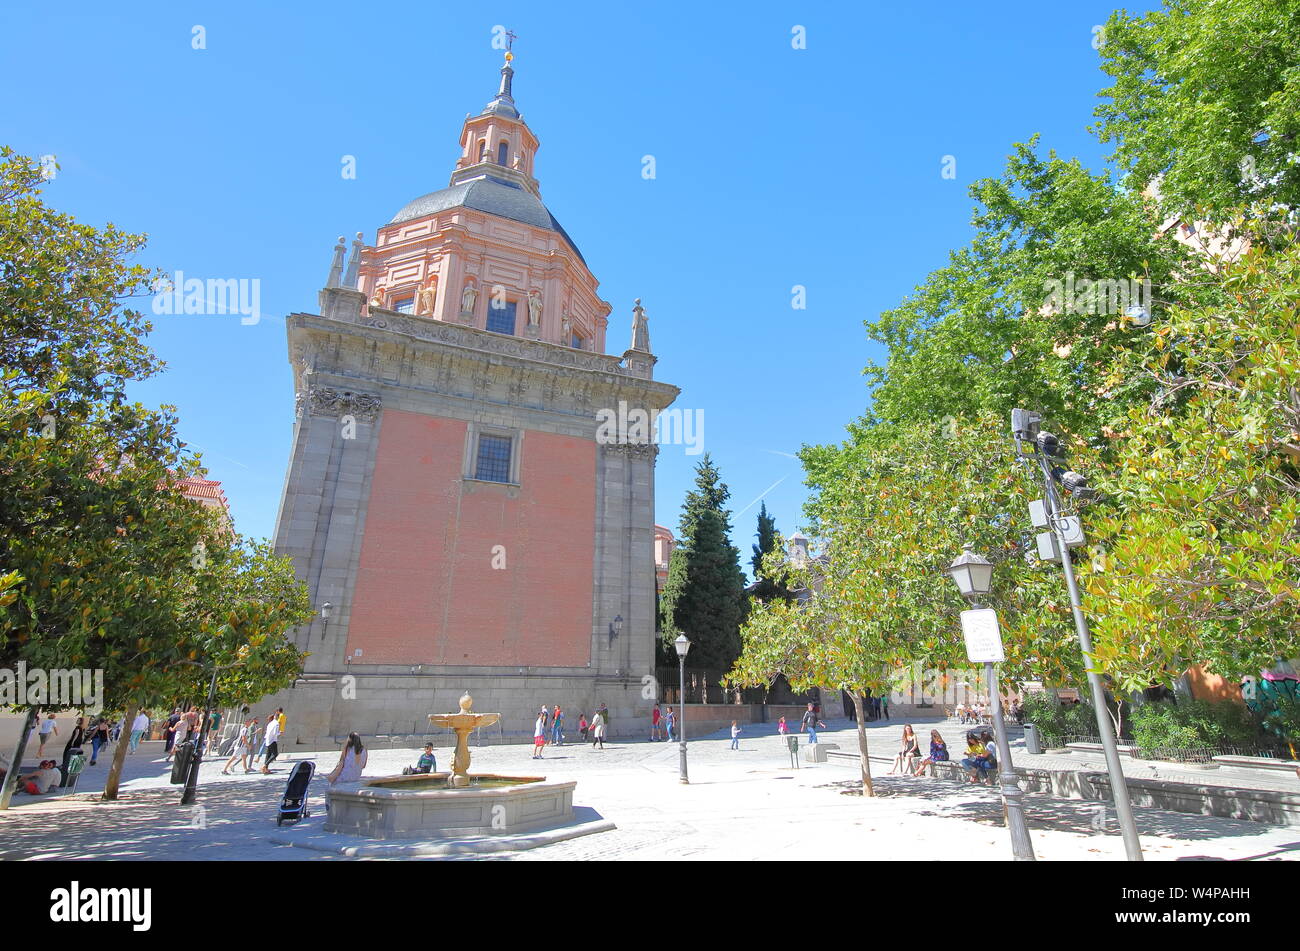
(640, 328)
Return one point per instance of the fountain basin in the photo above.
(426, 806)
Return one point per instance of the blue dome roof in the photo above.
(491, 195)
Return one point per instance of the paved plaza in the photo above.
(744, 804)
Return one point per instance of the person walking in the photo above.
(48, 729)
(169, 741)
(241, 749)
(604, 719)
(254, 743)
(670, 720)
(99, 735)
(177, 727)
(72, 746)
(352, 759)
(598, 727)
(810, 723)
(656, 721)
(539, 734)
(138, 727)
(272, 742)
(735, 735)
(884, 707)
(781, 728)
(557, 726)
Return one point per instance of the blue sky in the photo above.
(775, 167)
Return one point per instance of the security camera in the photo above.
(1049, 445)
(1074, 483)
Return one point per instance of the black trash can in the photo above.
(181, 762)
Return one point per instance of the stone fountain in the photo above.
(463, 723)
(436, 805)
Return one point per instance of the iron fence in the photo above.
(1173, 754)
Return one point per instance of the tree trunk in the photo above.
(15, 766)
(867, 788)
(119, 755)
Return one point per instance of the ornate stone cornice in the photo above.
(328, 401)
(473, 339)
(643, 450)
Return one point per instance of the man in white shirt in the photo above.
(138, 728)
(272, 744)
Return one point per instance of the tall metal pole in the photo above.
(1013, 799)
(192, 776)
(1118, 785)
(681, 720)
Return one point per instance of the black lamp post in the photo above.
(615, 628)
(682, 645)
(326, 610)
(192, 774)
(973, 575)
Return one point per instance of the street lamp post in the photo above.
(682, 645)
(974, 577)
(326, 610)
(192, 774)
(1031, 441)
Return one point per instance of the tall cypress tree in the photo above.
(765, 589)
(704, 596)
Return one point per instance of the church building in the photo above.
(459, 517)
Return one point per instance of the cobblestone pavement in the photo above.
(745, 804)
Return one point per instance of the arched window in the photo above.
(502, 151)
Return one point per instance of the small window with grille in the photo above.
(501, 316)
(493, 461)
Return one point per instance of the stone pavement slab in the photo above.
(744, 804)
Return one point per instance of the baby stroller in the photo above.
(294, 804)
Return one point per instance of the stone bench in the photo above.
(1252, 805)
(1259, 762)
(819, 752)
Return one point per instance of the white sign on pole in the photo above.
(983, 636)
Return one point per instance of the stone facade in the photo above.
(440, 580)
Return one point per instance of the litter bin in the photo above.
(792, 743)
(72, 767)
(181, 762)
(1033, 742)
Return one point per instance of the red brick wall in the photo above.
(426, 591)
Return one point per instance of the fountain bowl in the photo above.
(427, 806)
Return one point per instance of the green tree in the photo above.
(704, 595)
(106, 564)
(769, 540)
(1033, 312)
(1198, 546)
(1206, 99)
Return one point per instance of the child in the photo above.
(735, 735)
(780, 726)
(539, 734)
(582, 726)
